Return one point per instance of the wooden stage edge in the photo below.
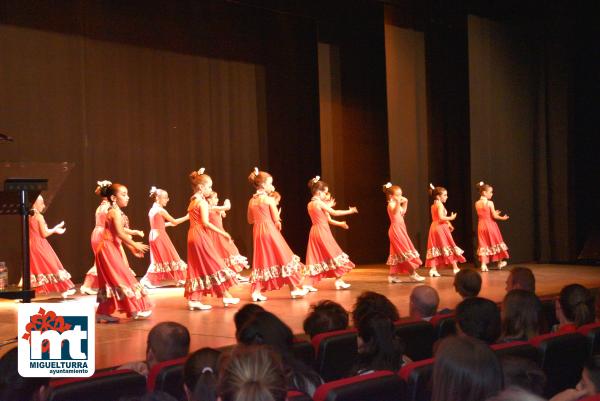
(124, 342)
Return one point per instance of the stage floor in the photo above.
(120, 343)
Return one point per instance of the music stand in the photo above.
(21, 188)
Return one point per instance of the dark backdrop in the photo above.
(144, 92)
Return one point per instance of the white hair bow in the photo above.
(316, 179)
(431, 186)
(104, 184)
(201, 170)
(255, 170)
(388, 185)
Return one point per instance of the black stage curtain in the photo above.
(519, 102)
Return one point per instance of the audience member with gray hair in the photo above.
(424, 302)
(166, 341)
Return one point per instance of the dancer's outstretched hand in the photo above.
(60, 228)
(140, 248)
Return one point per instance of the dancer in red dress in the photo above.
(274, 264)
(207, 272)
(47, 273)
(119, 290)
(324, 257)
(90, 283)
(403, 258)
(491, 246)
(441, 249)
(166, 267)
(227, 249)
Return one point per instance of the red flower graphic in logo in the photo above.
(44, 321)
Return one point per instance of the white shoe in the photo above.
(394, 280)
(87, 290)
(456, 270)
(146, 283)
(258, 297)
(230, 301)
(502, 264)
(198, 305)
(416, 277)
(143, 314)
(180, 283)
(484, 268)
(298, 293)
(242, 279)
(106, 318)
(341, 284)
(309, 288)
(434, 273)
(66, 294)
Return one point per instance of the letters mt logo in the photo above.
(56, 340)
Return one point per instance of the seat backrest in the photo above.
(293, 395)
(417, 380)
(380, 386)
(335, 353)
(418, 338)
(521, 349)
(106, 385)
(561, 356)
(592, 333)
(304, 352)
(168, 377)
(443, 325)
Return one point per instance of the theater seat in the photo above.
(592, 333)
(416, 377)
(561, 356)
(418, 338)
(303, 351)
(106, 385)
(520, 349)
(335, 353)
(294, 395)
(380, 386)
(443, 325)
(168, 377)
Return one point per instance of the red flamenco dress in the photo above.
(118, 287)
(165, 263)
(47, 273)
(491, 246)
(324, 257)
(273, 264)
(403, 258)
(227, 249)
(207, 273)
(91, 277)
(441, 249)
